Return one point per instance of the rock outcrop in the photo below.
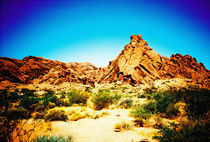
(37, 70)
(139, 63)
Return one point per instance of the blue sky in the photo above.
(96, 31)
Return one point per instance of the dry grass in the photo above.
(75, 113)
(56, 114)
(123, 126)
(147, 132)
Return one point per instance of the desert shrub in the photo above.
(78, 97)
(123, 126)
(172, 110)
(102, 100)
(150, 90)
(18, 112)
(76, 116)
(197, 100)
(141, 96)
(116, 98)
(141, 113)
(52, 139)
(148, 96)
(127, 103)
(158, 122)
(167, 134)
(190, 132)
(163, 99)
(54, 115)
(64, 102)
(63, 95)
(39, 115)
(139, 122)
(12, 111)
(29, 101)
(49, 97)
(151, 107)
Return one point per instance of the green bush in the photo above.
(54, 115)
(172, 110)
(102, 99)
(28, 102)
(116, 98)
(163, 99)
(78, 97)
(141, 113)
(151, 107)
(48, 97)
(190, 132)
(197, 101)
(64, 102)
(39, 103)
(52, 139)
(127, 103)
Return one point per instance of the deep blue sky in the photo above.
(96, 31)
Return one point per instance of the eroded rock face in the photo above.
(139, 63)
(38, 70)
(136, 62)
(9, 70)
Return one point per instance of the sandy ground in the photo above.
(102, 129)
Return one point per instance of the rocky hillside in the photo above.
(38, 70)
(137, 63)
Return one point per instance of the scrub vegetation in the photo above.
(187, 107)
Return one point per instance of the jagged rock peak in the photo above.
(138, 37)
(139, 63)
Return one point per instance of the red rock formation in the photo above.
(38, 70)
(138, 62)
